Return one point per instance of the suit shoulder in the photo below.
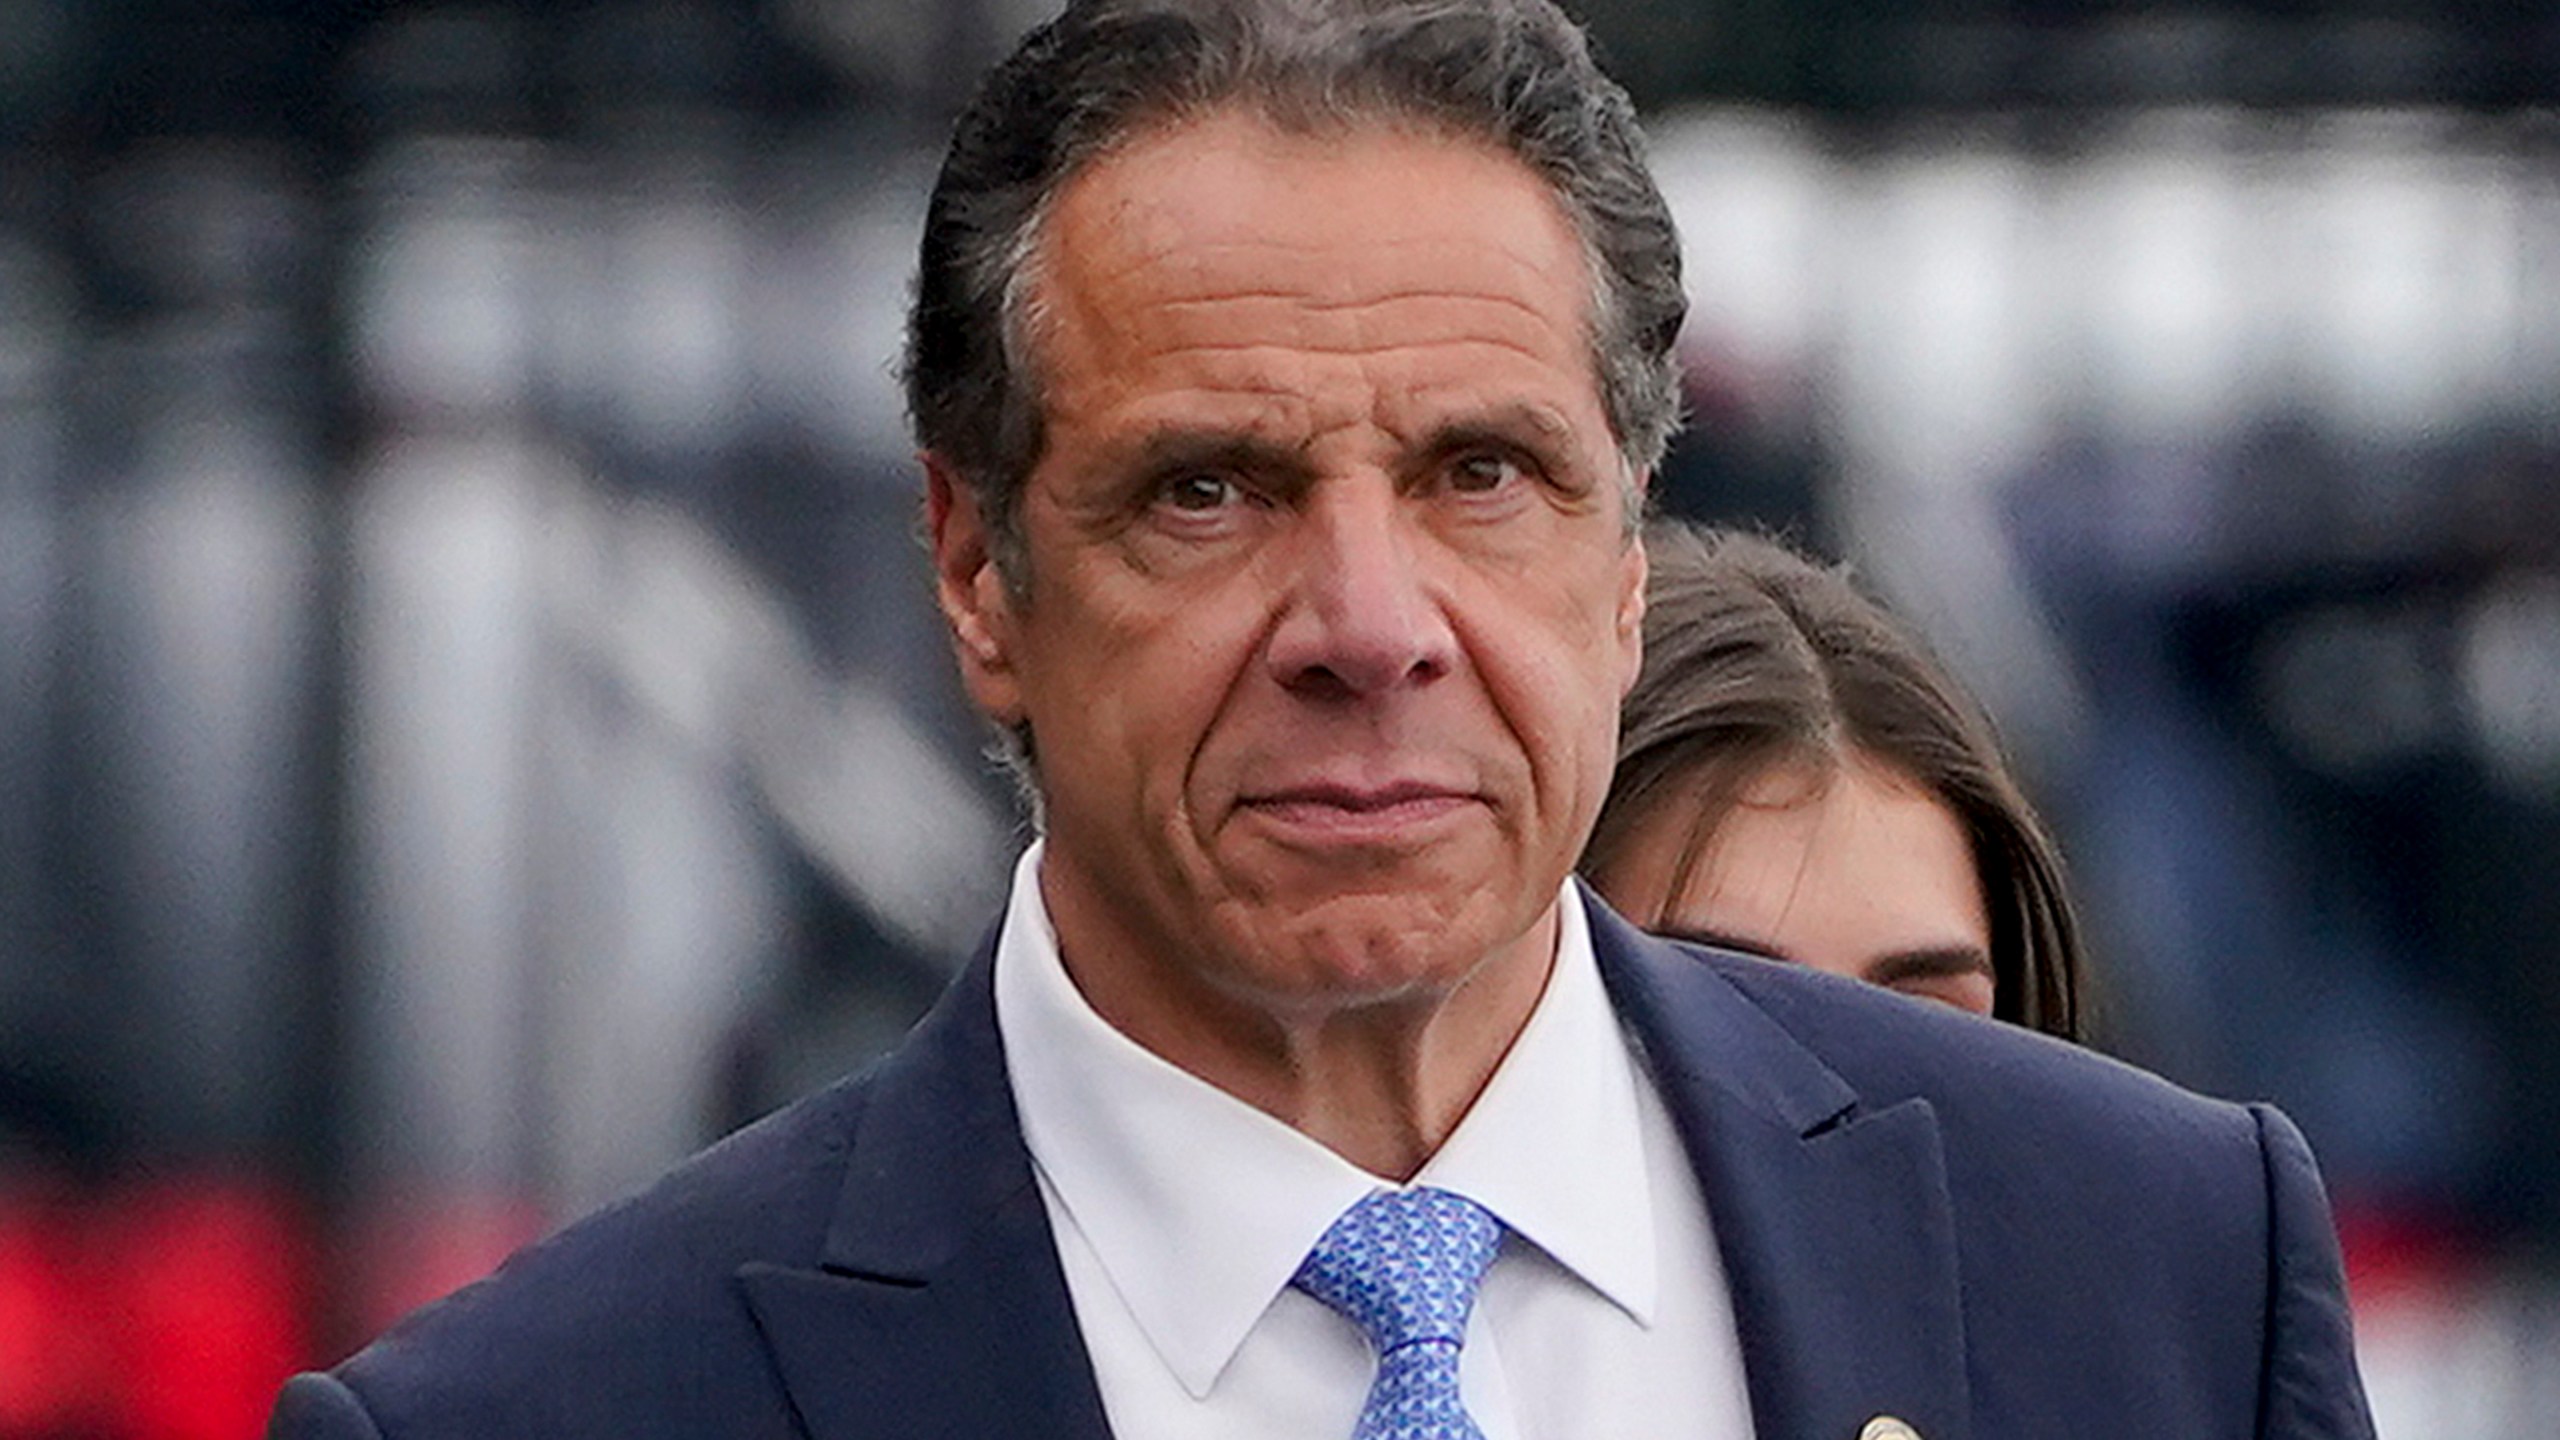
(1983, 1077)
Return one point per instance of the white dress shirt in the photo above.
(1181, 1212)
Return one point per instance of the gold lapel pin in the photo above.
(1885, 1427)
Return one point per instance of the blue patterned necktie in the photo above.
(1403, 1265)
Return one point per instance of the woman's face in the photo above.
(1854, 869)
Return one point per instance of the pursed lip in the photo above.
(1357, 813)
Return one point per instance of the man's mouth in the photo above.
(1358, 813)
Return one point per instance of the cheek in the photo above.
(1135, 693)
(1562, 714)
(1554, 650)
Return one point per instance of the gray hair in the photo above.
(1515, 73)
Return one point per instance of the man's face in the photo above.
(1330, 601)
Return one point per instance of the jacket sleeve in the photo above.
(2308, 1385)
(320, 1407)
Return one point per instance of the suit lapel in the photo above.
(1833, 1219)
(938, 1309)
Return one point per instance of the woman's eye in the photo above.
(1199, 492)
(1482, 473)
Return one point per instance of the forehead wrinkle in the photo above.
(1280, 350)
(1320, 303)
(1436, 294)
(1151, 287)
(1423, 413)
(1121, 198)
(1419, 415)
(1464, 302)
(1119, 338)
(1498, 386)
(1275, 417)
(1408, 323)
(1149, 232)
(1185, 271)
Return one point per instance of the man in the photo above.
(1287, 376)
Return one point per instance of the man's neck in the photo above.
(1381, 1083)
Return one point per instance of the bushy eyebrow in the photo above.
(1176, 449)
(1927, 963)
(1930, 964)
(1513, 422)
(1180, 448)
(1532, 427)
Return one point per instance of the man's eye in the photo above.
(1199, 492)
(1482, 473)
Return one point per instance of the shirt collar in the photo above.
(1199, 1207)
(1555, 1144)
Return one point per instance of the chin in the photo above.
(1373, 949)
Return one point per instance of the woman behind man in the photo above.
(1798, 777)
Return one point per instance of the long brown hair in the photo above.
(1757, 656)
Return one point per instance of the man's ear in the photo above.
(1630, 626)
(971, 592)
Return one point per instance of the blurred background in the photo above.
(473, 727)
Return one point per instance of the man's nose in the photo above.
(1361, 617)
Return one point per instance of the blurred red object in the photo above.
(206, 1288)
(171, 1309)
(423, 1248)
(46, 1359)
(2403, 1259)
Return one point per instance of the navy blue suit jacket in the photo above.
(1980, 1230)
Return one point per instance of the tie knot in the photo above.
(1403, 1265)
